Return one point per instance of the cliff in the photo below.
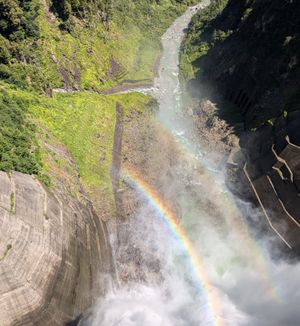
(244, 55)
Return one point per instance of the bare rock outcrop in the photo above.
(215, 135)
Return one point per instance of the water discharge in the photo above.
(204, 267)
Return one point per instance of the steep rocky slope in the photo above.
(244, 55)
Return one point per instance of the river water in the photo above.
(209, 268)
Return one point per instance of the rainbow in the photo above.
(233, 218)
(231, 214)
(154, 199)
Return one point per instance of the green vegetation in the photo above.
(18, 19)
(83, 122)
(19, 31)
(18, 148)
(12, 201)
(73, 44)
(287, 40)
(8, 248)
(247, 13)
(201, 37)
(81, 44)
(86, 10)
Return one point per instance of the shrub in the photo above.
(18, 148)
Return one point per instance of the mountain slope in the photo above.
(244, 55)
(81, 44)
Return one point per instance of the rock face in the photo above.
(252, 64)
(272, 166)
(52, 249)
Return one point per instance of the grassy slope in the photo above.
(84, 123)
(85, 55)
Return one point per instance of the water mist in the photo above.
(236, 282)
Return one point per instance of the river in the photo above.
(213, 269)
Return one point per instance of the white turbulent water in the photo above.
(251, 289)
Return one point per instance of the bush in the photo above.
(18, 148)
